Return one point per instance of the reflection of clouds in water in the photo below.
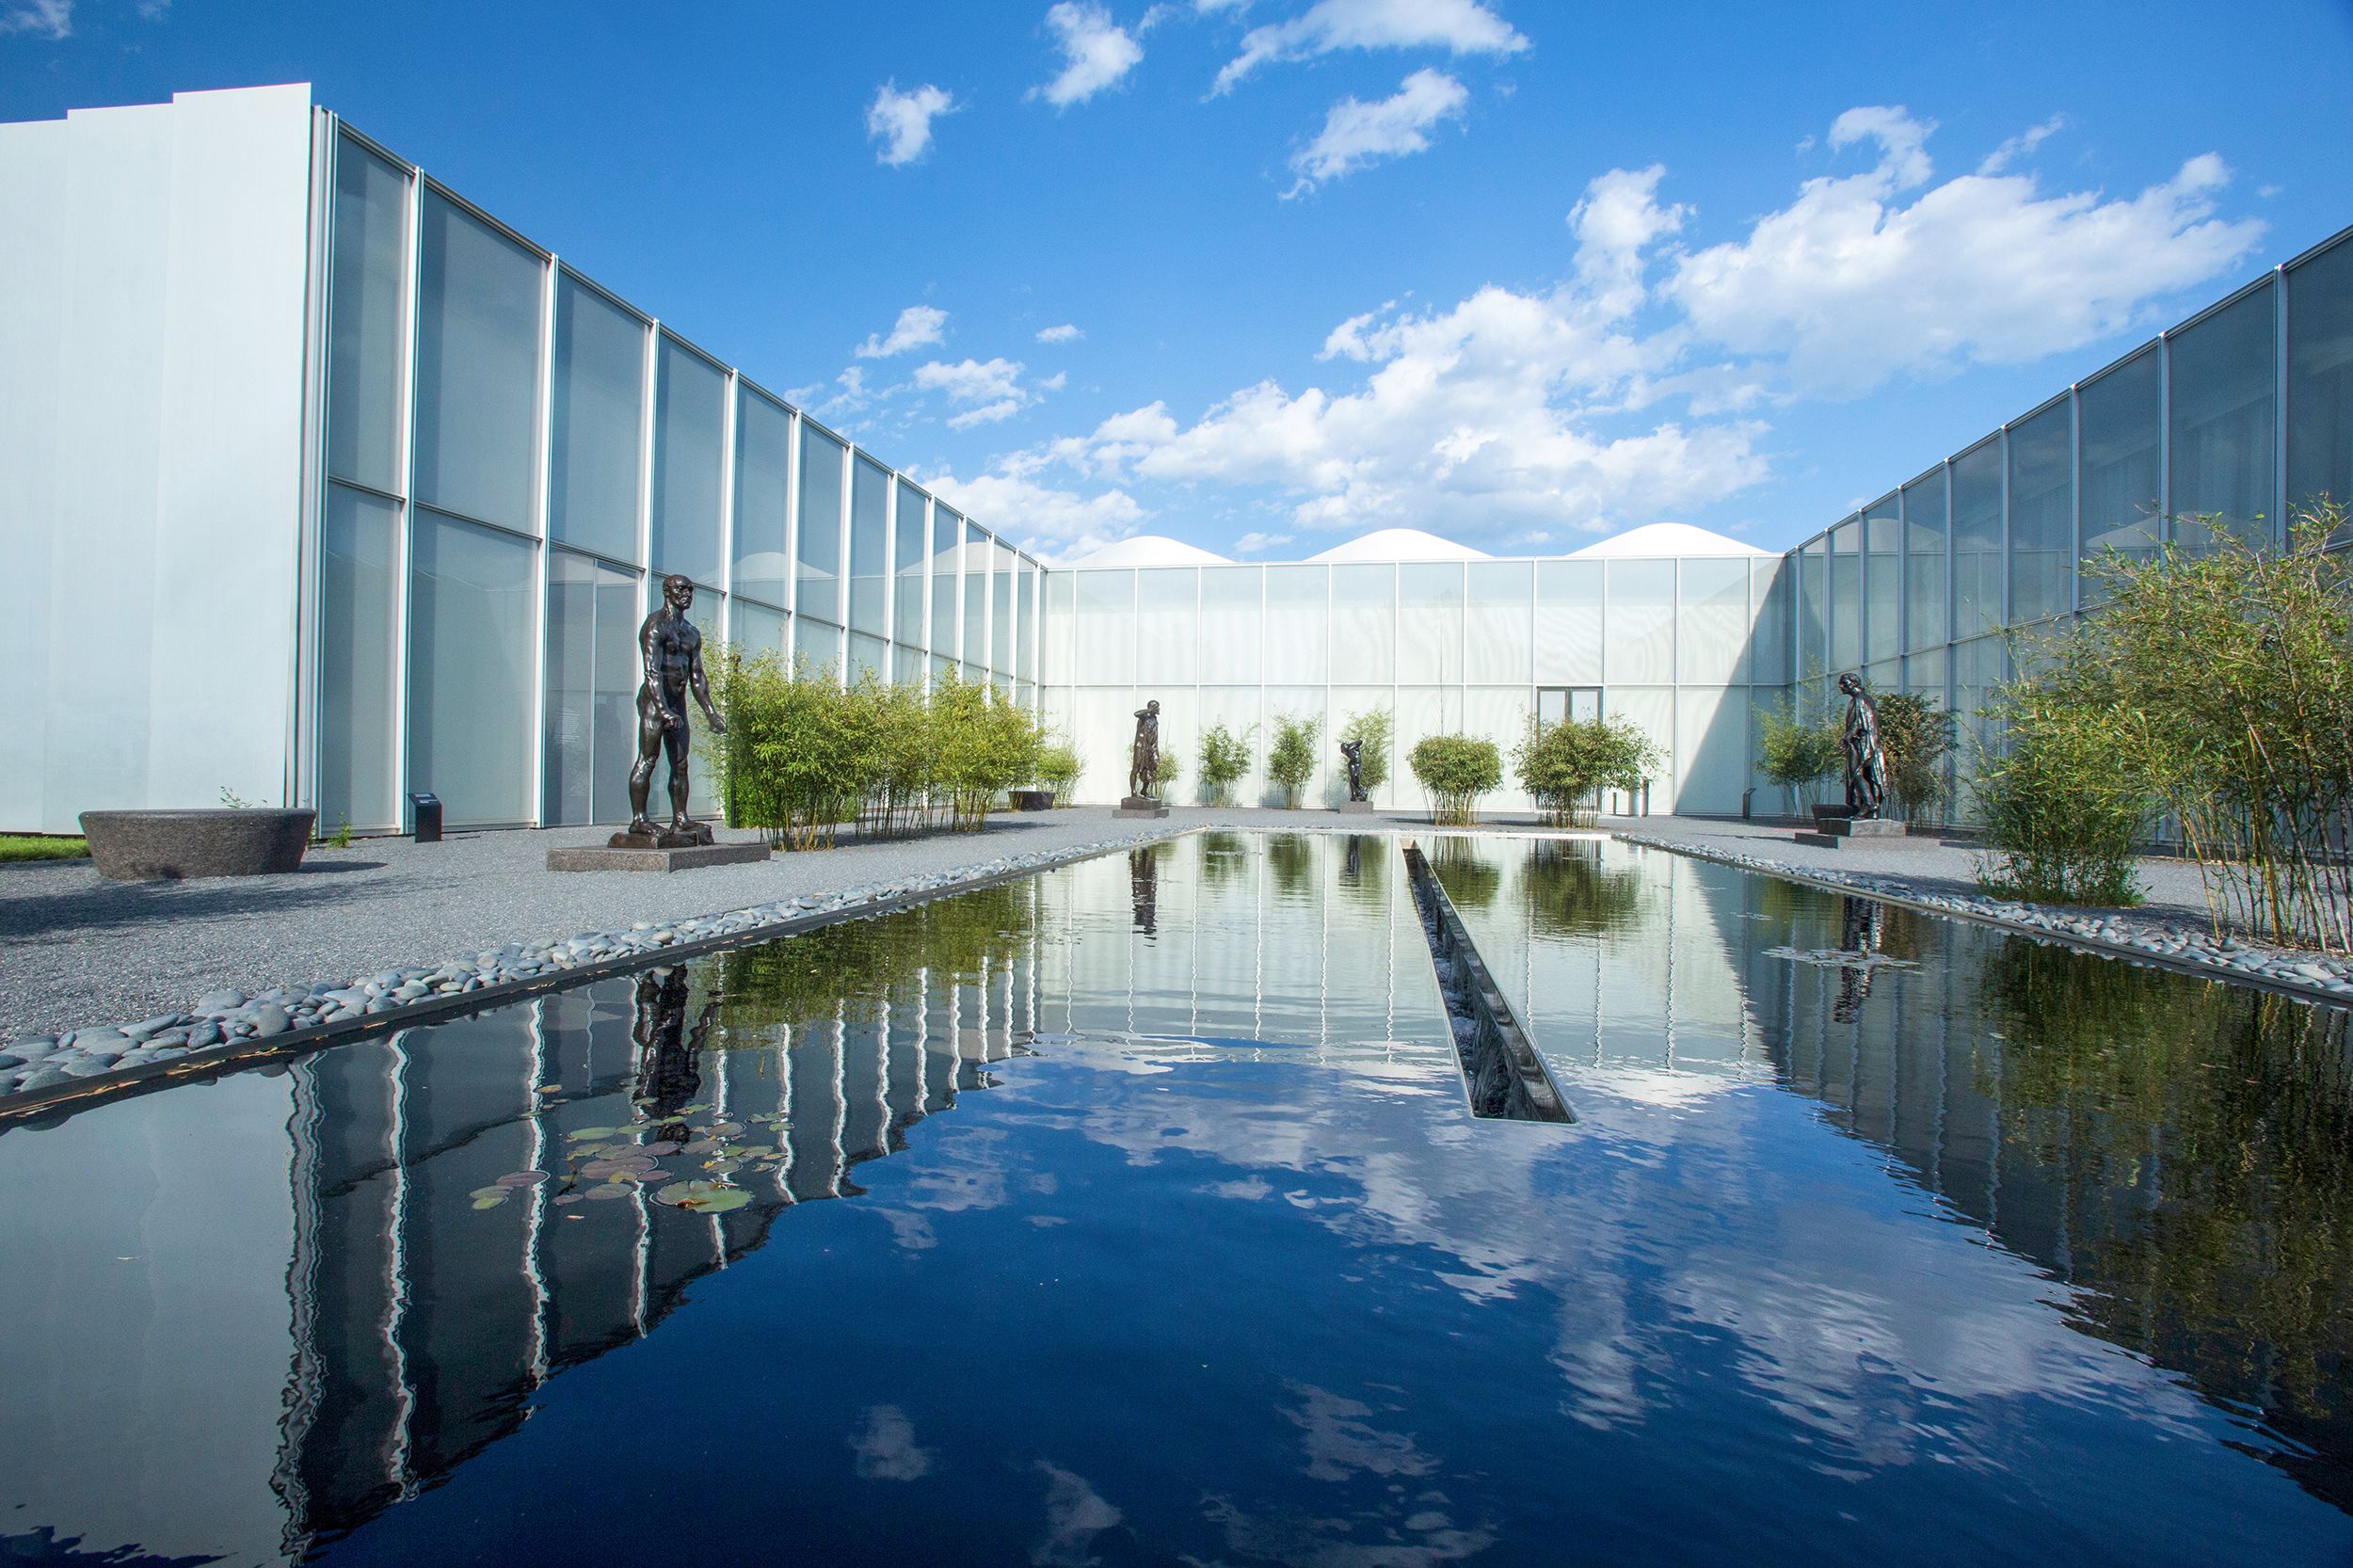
(1340, 1442)
(1426, 1537)
(1248, 1190)
(1076, 1513)
(887, 1450)
(913, 1232)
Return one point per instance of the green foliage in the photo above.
(1225, 757)
(235, 801)
(34, 846)
(1291, 761)
(1917, 736)
(804, 754)
(1456, 769)
(1561, 764)
(1793, 752)
(2060, 799)
(1058, 769)
(1376, 727)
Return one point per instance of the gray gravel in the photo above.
(82, 951)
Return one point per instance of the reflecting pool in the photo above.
(1165, 1234)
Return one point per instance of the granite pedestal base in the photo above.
(1140, 806)
(686, 857)
(1875, 831)
(1357, 808)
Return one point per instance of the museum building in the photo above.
(321, 485)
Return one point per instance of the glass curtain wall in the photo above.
(869, 569)
(817, 607)
(2042, 516)
(590, 711)
(1976, 511)
(946, 593)
(764, 517)
(2320, 377)
(975, 602)
(2224, 401)
(1883, 579)
(911, 533)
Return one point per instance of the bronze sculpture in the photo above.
(1354, 752)
(1144, 769)
(673, 653)
(1867, 763)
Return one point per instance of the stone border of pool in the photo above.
(2285, 971)
(532, 970)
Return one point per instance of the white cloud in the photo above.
(1097, 52)
(970, 381)
(1356, 133)
(2022, 144)
(1853, 284)
(1459, 26)
(1064, 334)
(1252, 543)
(1050, 523)
(902, 121)
(916, 326)
(49, 19)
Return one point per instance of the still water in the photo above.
(1134, 1214)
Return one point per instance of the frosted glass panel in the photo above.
(1640, 637)
(1237, 708)
(1060, 624)
(1846, 594)
(1364, 622)
(1025, 635)
(589, 711)
(1568, 623)
(1883, 579)
(1104, 645)
(1298, 621)
(1232, 625)
(1500, 637)
(1653, 708)
(1500, 713)
(1000, 614)
(1711, 752)
(367, 349)
(2320, 377)
(359, 649)
(2042, 516)
(911, 555)
(975, 598)
(947, 581)
(1422, 711)
(869, 656)
(1167, 625)
(757, 629)
(816, 648)
(1813, 609)
(2225, 400)
(2123, 416)
(596, 422)
(1712, 641)
(1772, 588)
(690, 401)
(470, 669)
(763, 489)
(870, 545)
(819, 544)
(478, 370)
(1349, 701)
(1926, 529)
(1304, 702)
(1976, 479)
(1430, 622)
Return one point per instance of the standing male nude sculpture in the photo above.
(673, 651)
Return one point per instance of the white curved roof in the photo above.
(1664, 538)
(1150, 550)
(1401, 544)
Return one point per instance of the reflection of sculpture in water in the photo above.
(1354, 752)
(1352, 868)
(673, 653)
(1860, 935)
(669, 1056)
(1144, 768)
(1144, 882)
(1867, 763)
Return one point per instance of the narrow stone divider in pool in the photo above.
(1507, 1079)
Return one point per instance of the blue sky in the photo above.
(1522, 275)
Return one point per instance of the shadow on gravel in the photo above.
(116, 905)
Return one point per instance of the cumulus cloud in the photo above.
(916, 326)
(902, 121)
(1253, 542)
(1051, 523)
(48, 18)
(1860, 279)
(1637, 385)
(981, 391)
(1097, 52)
(1064, 334)
(1458, 26)
(1356, 133)
(2022, 144)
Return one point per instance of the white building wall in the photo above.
(152, 349)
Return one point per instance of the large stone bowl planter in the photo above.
(154, 846)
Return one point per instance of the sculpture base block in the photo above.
(1141, 806)
(1878, 832)
(682, 857)
(1357, 808)
(697, 836)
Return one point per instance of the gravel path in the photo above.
(81, 949)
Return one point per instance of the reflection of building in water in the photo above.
(422, 1326)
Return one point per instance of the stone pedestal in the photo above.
(694, 836)
(1357, 808)
(1876, 832)
(679, 857)
(1140, 806)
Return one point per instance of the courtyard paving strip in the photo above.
(2184, 946)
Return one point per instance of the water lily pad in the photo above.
(605, 1192)
(580, 1134)
(522, 1178)
(499, 1197)
(721, 1167)
(725, 1129)
(607, 1169)
(659, 1146)
(570, 1197)
(703, 1197)
(493, 1192)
